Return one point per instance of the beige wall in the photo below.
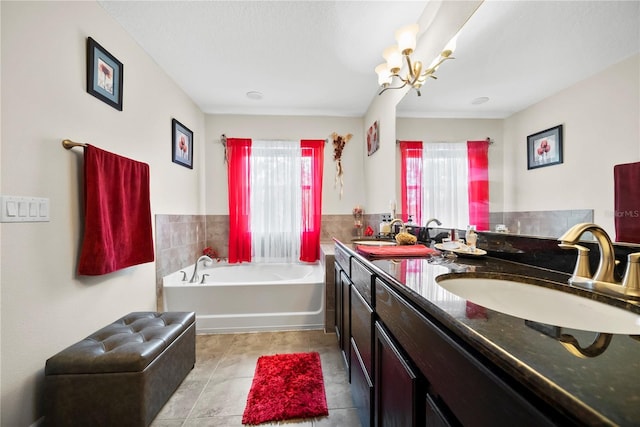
(600, 116)
(45, 306)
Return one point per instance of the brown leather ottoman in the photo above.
(122, 374)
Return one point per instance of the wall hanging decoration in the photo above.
(181, 144)
(339, 142)
(104, 75)
(358, 214)
(544, 148)
(373, 138)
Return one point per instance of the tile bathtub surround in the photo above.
(217, 234)
(327, 258)
(215, 392)
(340, 227)
(180, 239)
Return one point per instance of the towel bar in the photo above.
(68, 144)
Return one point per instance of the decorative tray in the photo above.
(459, 249)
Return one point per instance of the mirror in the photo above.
(523, 67)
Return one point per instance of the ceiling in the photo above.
(317, 58)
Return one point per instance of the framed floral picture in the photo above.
(544, 148)
(373, 138)
(181, 144)
(104, 75)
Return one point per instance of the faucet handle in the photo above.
(582, 263)
(631, 278)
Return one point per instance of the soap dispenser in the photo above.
(471, 237)
(382, 225)
(409, 225)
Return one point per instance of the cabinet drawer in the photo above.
(362, 328)
(361, 278)
(342, 258)
(468, 388)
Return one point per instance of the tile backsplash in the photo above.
(540, 223)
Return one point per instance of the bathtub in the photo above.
(250, 297)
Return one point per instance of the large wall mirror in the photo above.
(525, 66)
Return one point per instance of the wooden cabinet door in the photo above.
(397, 388)
(361, 387)
(434, 416)
(338, 301)
(345, 337)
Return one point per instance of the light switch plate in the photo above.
(24, 209)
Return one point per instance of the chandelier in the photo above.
(389, 73)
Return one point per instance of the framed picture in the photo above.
(373, 138)
(544, 148)
(104, 75)
(181, 144)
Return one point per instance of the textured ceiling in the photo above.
(317, 57)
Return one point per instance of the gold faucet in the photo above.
(403, 229)
(603, 280)
(631, 279)
(604, 273)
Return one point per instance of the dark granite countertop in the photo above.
(599, 390)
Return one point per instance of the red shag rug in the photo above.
(286, 386)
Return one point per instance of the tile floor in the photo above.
(215, 392)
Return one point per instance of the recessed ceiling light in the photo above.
(480, 100)
(254, 95)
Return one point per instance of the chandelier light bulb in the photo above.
(384, 75)
(406, 38)
(394, 58)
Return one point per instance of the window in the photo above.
(275, 195)
(448, 181)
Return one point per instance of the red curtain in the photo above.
(238, 170)
(313, 162)
(411, 176)
(478, 154)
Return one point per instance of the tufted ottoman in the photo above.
(122, 374)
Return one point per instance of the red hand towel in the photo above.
(117, 211)
(395, 251)
(627, 202)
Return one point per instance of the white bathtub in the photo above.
(250, 297)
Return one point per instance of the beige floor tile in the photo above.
(347, 417)
(183, 400)
(215, 391)
(226, 397)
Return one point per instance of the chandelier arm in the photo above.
(411, 76)
(431, 70)
(397, 87)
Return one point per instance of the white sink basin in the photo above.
(374, 242)
(541, 304)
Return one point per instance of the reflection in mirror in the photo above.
(597, 344)
(528, 84)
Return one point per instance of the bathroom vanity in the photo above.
(418, 355)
